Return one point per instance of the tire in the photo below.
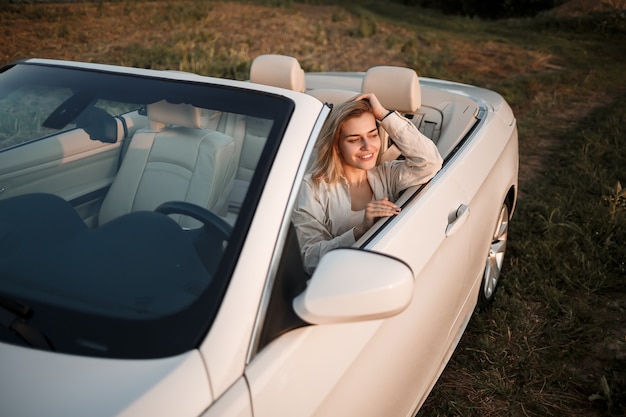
(495, 258)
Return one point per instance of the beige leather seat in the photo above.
(176, 158)
(285, 72)
(250, 133)
(397, 88)
(278, 71)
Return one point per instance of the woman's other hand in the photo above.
(374, 210)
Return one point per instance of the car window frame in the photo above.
(284, 252)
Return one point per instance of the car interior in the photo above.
(175, 158)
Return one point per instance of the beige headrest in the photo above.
(278, 71)
(397, 88)
(184, 115)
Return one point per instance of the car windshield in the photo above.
(93, 269)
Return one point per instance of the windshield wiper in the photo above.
(14, 316)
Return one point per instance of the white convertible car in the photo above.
(149, 265)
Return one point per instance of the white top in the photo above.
(323, 216)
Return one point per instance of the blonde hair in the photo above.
(327, 166)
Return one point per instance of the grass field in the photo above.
(554, 341)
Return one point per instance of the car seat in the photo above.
(175, 158)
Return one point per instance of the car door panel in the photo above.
(429, 327)
(299, 370)
(312, 370)
(483, 170)
(235, 402)
(68, 164)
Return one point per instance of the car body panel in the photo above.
(235, 402)
(71, 385)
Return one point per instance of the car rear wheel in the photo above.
(495, 258)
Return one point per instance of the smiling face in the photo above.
(359, 143)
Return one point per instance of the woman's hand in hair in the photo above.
(377, 108)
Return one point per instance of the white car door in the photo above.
(385, 366)
(235, 402)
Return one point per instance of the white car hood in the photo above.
(39, 383)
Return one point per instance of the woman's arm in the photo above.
(422, 158)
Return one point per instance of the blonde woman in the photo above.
(347, 188)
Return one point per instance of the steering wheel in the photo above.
(207, 240)
(211, 221)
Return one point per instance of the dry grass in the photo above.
(101, 32)
(324, 38)
(203, 35)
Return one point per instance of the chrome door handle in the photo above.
(457, 219)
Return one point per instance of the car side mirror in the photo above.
(352, 285)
